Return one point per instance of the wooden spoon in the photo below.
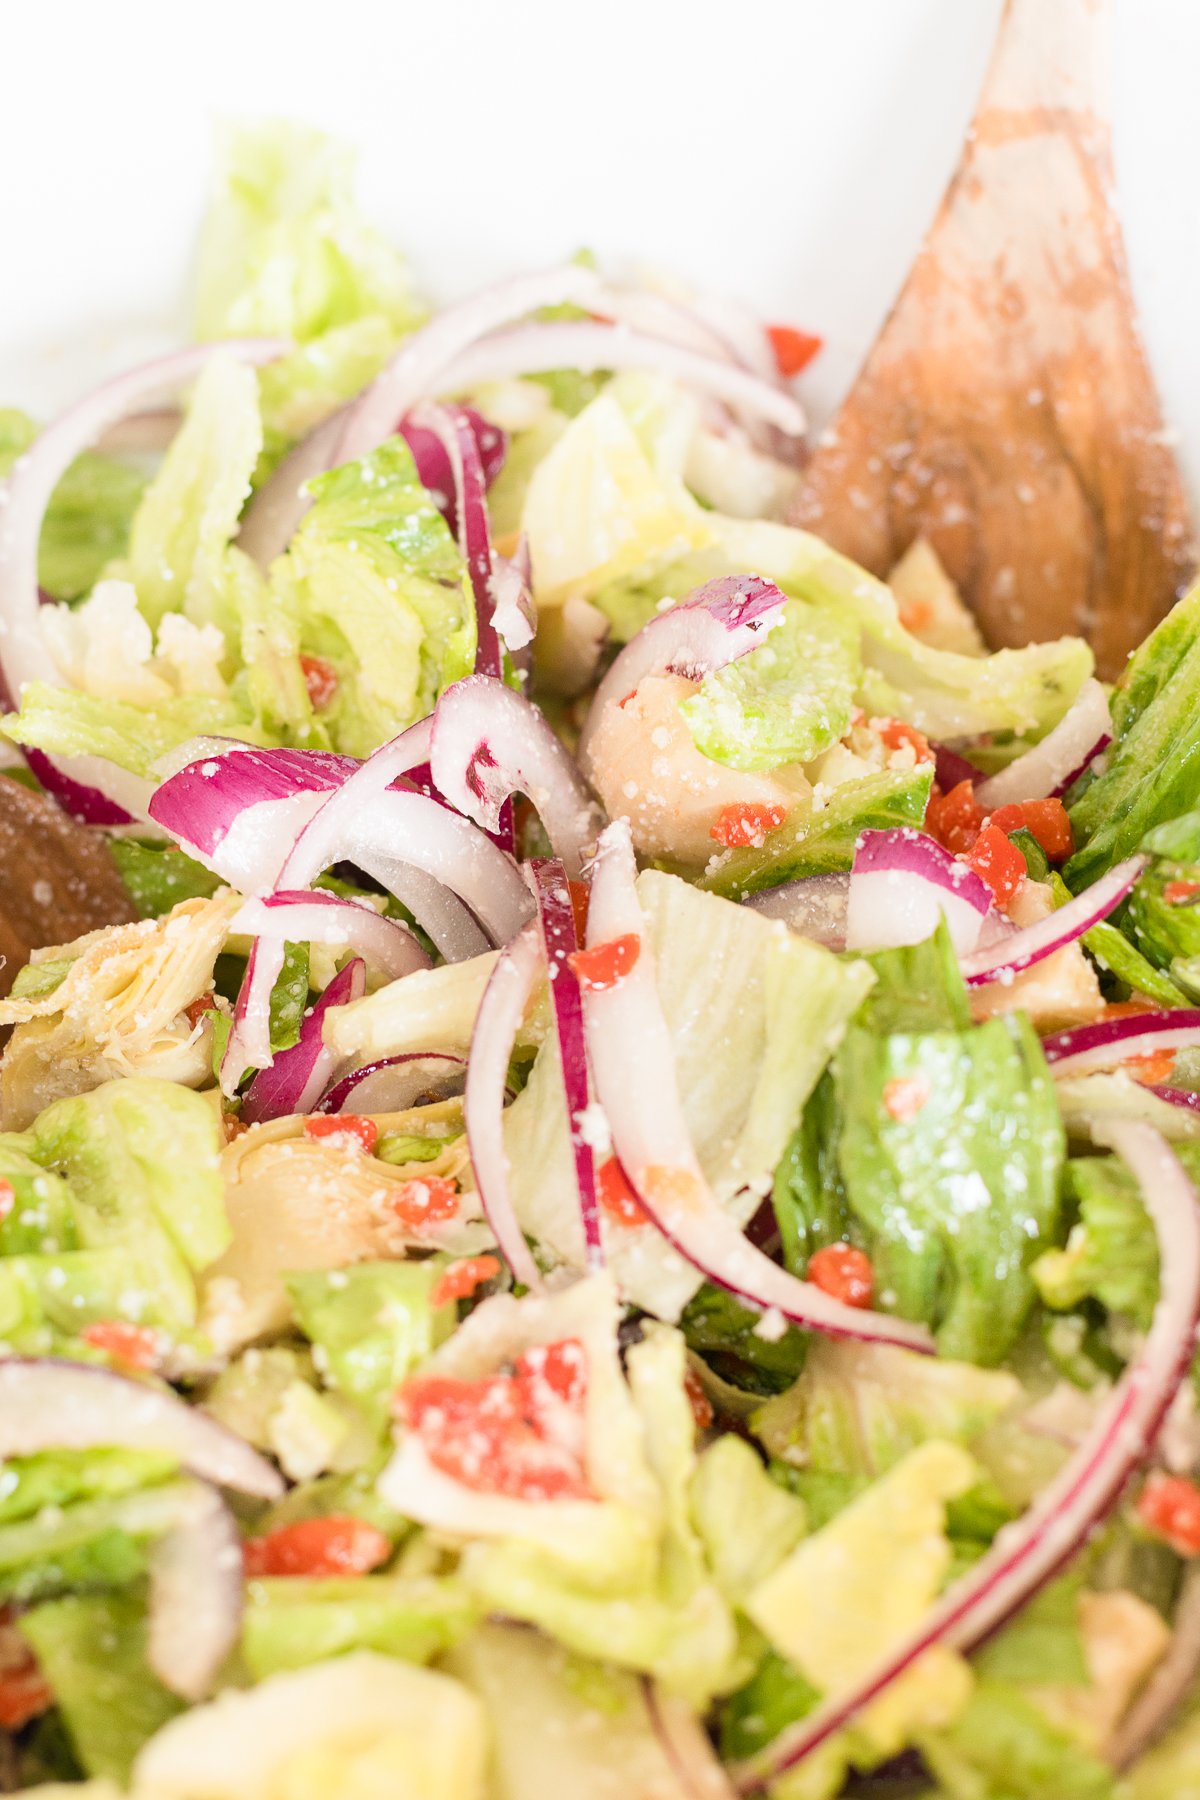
(59, 879)
(1006, 411)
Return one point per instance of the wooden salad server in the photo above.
(1006, 411)
(57, 879)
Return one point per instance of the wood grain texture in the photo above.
(1006, 411)
(58, 878)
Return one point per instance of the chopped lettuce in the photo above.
(727, 1334)
(61, 1478)
(370, 1324)
(918, 987)
(729, 1487)
(1003, 1745)
(1111, 1254)
(815, 839)
(159, 876)
(958, 1194)
(90, 1544)
(291, 1621)
(857, 1409)
(776, 1696)
(1171, 1770)
(92, 1650)
(87, 519)
(785, 702)
(1150, 770)
(66, 722)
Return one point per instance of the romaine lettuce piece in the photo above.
(1004, 1744)
(1150, 771)
(92, 1650)
(863, 1582)
(41, 1218)
(291, 1622)
(857, 1409)
(67, 722)
(92, 1543)
(86, 522)
(59, 1478)
(956, 1189)
(1111, 1254)
(371, 1324)
(754, 1013)
(918, 987)
(785, 702)
(727, 1334)
(776, 1696)
(813, 840)
(159, 876)
(729, 1487)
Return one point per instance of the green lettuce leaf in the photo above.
(814, 841)
(66, 722)
(92, 1650)
(291, 1622)
(776, 1696)
(372, 1324)
(60, 1478)
(725, 1333)
(87, 519)
(92, 1544)
(729, 1486)
(918, 987)
(958, 1197)
(1170, 1771)
(785, 702)
(159, 876)
(1004, 1748)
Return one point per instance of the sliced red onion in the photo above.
(239, 811)
(272, 516)
(633, 1067)
(556, 922)
(686, 1746)
(1177, 1096)
(1026, 1554)
(87, 804)
(496, 1025)
(1110, 1042)
(51, 1405)
(815, 907)
(902, 882)
(248, 1045)
(299, 1076)
(488, 744)
(714, 626)
(949, 768)
(417, 370)
(434, 466)
(1173, 1682)
(24, 654)
(141, 433)
(587, 345)
(1007, 956)
(451, 430)
(1053, 765)
(395, 1083)
(315, 848)
(196, 1594)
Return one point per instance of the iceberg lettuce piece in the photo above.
(92, 1543)
(291, 1622)
(87, 520)
(181, 537)
(372, 1324)
(92, 1650)
(754, 1013)
(730, 1486)
(862, 1583)
(785, 702)
(857, 1409)
(958, 1196)
(65, 722)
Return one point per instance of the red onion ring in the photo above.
(488, 744)
(714, 626)
(1008, 955)
(902, 882)
(1025, 1555)
(1110, 1042)
(1177, 1096)
(450, 428)
(24, 654)
(496, 1025)
(633, 1067)
(686, 1746)
(556, 923)
(51, 1405)
(196, 1593)
(420, 1069)
(814, 906)
(272, 516)
(1051, 767)
(298, 1076)
(949, 768)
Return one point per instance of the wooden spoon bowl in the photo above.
(59, 878)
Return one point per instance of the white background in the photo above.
(790, 151)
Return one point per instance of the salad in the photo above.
(619, 1219)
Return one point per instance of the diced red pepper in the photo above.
(905, 1095)
(559, 1370)
(337, 1545)
(1169, 1506)
(429, 1200)
(24, 1694)
(745, 822)
(8, 1198)
(462, 1278)
(897, 735)
(194, 1013)
(1180, 893)
(915, 614)
(320, 679)
(616, 1196)
(998, 861)
(351, 1127)
(793, 349)
(954, 819)
(1046, 821)
(844, 1272)
(1155, 1067)
(135, 1346)
(602, 966)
